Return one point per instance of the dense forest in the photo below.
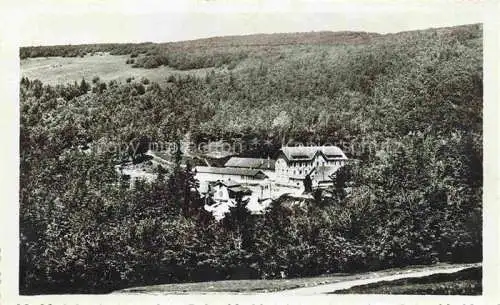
(415, 98)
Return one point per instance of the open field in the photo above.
(62, 70)
(465, 282)
(280, 285)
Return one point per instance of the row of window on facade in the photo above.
(318, 163)
(305, 170)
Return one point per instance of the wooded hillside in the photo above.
(414, 98)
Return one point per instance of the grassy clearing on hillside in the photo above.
(465, 282)
(62, 70)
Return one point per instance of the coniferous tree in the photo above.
(84, 86)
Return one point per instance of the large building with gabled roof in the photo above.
(293, 164)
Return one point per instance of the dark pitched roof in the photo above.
(232, 186)
(305, 153)
(229, 171)
(227, 183)
(323, 173)
(239, 189)
(208, 186)
(256, 163)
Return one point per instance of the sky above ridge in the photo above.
(49, 22)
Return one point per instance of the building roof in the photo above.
(323, 173)
(207, 186)
(227, 183)
(306, 153)
(239, 189)
(255, 163)
(229, 171)
(232, 186)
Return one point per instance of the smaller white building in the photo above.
(220, 196)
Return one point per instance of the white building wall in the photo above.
(221, 194)
(284, 170)
(224, 177)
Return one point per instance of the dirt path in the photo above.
(328, 288)
(295, 286)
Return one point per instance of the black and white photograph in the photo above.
(260, 149)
